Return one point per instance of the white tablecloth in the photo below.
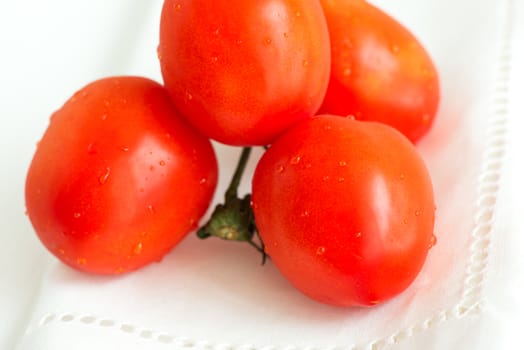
(213, 294)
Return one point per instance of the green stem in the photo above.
(234, 220)
(232, 190)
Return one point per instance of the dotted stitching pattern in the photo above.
(471, 300)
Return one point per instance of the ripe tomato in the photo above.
(379, 72)
(118, 178)
(345, 209)
(243, 71)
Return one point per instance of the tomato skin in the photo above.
(118, 179)
(380, 71)
(241, 72)
(345, 209)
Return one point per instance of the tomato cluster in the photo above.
(336, 90)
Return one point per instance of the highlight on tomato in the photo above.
(241, 72)
(345, 208)
(118, 178)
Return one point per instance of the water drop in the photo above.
(394, 48)
(151, 209)
(341, 179)
(188, 96)
(350, 117)
(305, 63)
(177, 7)
(138, 248)
(267, 41)
(305, 214)
(358, 234)
(77, 215)
(103, 117)
(432, 241)
(61, 251)
(216, 31)
(91, 148)
(321, 250)
(162, 163)
(295, 160)
(346, 72)
(125, 149)
(418, 212)
(81, 261)
(342, 163)
(326, 178)
(103, 178)
(298, 14)
(327, 127)
(280, 169)
(402, 176)
(203, 181)
(214, 59)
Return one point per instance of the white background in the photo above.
(49, 49)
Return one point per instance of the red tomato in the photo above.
(345, 209)
(243, 71)
(380, 72)
(118, 178)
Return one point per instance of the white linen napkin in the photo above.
(215, 295)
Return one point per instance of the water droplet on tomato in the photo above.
(402, 176)
(351, 117)
(280, 169)
(162, 163)
(103, 178)
(342, 163)
(214, 59)
(188, 96)
(138, 248)
(418, 212)
(81, 261)
(298, 14)
(151, 209)
(125, 149)
(432, 241)
(394, 48)
(346, 72)
(177, 7)
(358, 234)
(295, 160)
(305, 214)
(77, 215)
(321, 250)
(103, 117)
(267, 41)
(305, 63)
(326, 178)
(341, 179)
(203, 181)
(91, 148)
(61, 251)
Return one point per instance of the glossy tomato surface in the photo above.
(380, 71)
(243, 71)
(346, 210)
(118, 178)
